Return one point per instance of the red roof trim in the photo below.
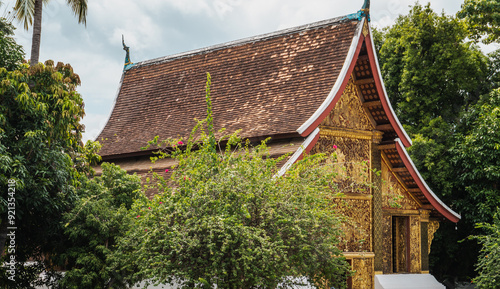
(429, 195)
(384, 99)
(310, 145)
(306, 147)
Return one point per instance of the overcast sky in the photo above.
(156, 28)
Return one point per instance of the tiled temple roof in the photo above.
(279, 85)
(266, 85)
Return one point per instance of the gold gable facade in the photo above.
(394, 240)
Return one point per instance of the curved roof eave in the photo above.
(334, 95)
(315, 119)
(304, 148)
(384, 99)
(441, 207)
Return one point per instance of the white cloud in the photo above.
(140, 33)
(193, 7)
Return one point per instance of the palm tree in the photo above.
(30, 13)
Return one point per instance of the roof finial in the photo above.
(128, 63)
(365, 10)
(366, 6)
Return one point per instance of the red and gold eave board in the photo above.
(363, 70)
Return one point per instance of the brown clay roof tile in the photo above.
(265, 86)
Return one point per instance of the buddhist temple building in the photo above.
(317, 87)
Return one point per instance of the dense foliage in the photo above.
(482, 18)
(11, 53)
(41, 153)
(444, 91)
(471, 173)
(99, 216)
(429, 70)
(226, 219)
(41, 150)
(488, 265)
(478, 157)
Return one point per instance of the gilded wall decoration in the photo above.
(348, 111)
(424, 251)
(432, 227)
(415, 238)
(394, 196)
(424, 215)
(377, 209)
(363, 278)
(352, 167)
(387, 244)
(365, 30)
(400, 244)
(357, 228)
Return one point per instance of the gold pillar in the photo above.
(376, 165)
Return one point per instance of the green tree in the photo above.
(41, 152)
(494, 69)
(29, 12)
(225, 218)
(482, 18)
(440, 84)
(429, 69)
(476, 155)
(98, 217)
(488, 266)
(472, 174)
(11, 53)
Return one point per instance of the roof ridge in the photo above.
(239, 42)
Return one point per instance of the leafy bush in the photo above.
(488, 265)
(225, 218)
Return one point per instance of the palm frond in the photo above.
(79, 7)
(25, 9)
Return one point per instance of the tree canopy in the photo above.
(226, 219)
(11, 53)
(477, 155)
(99, 216)
(444, 91)
(41, 151)
(482, 18)
(429, 69)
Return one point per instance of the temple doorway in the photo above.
(400, 244)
